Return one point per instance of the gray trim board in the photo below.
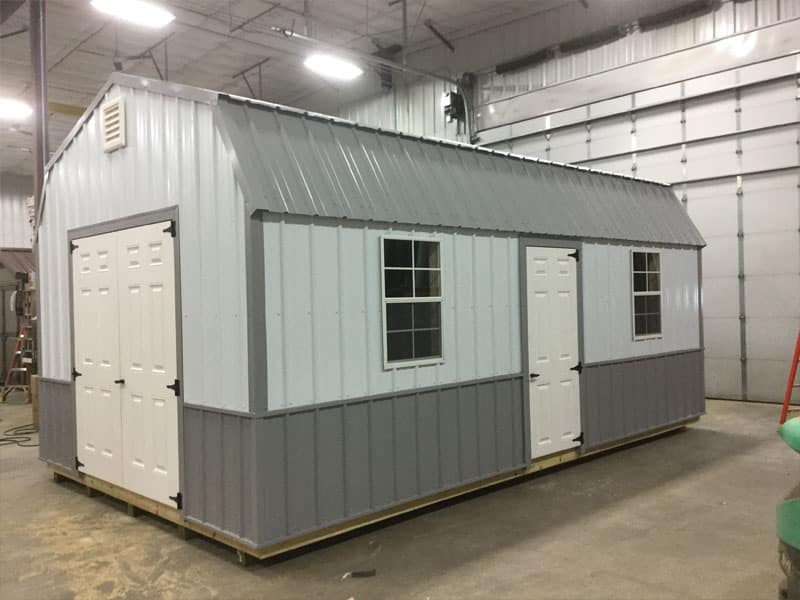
(625, 399)
(544, 242)
(57, 433)
(618, 361)
(261, 479)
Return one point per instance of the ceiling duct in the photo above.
(679, 13)
(525, 61)
(592, 40)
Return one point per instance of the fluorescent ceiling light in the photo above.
(135, 11)
(14, 110)
(332, 67)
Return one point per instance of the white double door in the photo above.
(553, 356)
(125, 357)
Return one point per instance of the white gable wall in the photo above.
(174, 156)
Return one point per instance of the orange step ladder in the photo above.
(17, 365)
(790, 384)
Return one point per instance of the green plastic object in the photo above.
(788, 520)
(790, 432)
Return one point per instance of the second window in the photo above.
(412, 299)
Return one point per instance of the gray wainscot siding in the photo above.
(268, 479)
(57, 439)
(624, 399)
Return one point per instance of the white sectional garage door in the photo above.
(126, 359)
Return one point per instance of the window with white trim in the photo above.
(412, 301)
(646, 294)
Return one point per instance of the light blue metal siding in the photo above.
(174, 156)
(310, 165)
(607, 303)
(324, 324)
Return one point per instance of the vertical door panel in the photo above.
(553, 350)
(149, 361)
(96, 356)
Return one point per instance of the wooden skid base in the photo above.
(135, 502)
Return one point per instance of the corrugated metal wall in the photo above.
(175, 156)
(412, 104)
(625, 399)
(607, 303)
(15, 228)
(324, 318)
(728, 18)
(733, 157)
(268, 479)
(415, 109)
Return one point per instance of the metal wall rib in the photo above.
(57, 436)
(620, 400)
(268, 479)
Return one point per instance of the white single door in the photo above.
(126, 353)
(553, 355)
(96, 351)
(148, 356)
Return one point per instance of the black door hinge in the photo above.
(78, 464)
(72, 247)
(574, 255)
(171, 229)
(75, 373)
(175, 387)
(535, 375)
(578, 368)
(579, 438)
(178, 500)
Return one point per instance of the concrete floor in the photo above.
(688, 515)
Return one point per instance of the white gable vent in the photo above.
(113, 112)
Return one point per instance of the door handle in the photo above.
(534, 375)
(120, 381)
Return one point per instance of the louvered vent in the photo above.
(113, 112)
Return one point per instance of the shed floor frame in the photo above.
(245, 553)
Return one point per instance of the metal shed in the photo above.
(271, 326)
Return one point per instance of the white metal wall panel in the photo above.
(15, 228)
(711, 158)
(175, 156)
(324, 317)
(607, 299)
(713, 208)
(656, 127)
(661, 165)
(611, 136)
(770, 149)
(710, 116)
(414, 109)
(770, 103)
(569, 145)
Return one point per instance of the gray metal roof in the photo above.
(302, 163)
(297, 162)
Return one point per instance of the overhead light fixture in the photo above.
(332, 67)
(136, 11)
(14, 110)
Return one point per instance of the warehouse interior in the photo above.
(349, 204)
